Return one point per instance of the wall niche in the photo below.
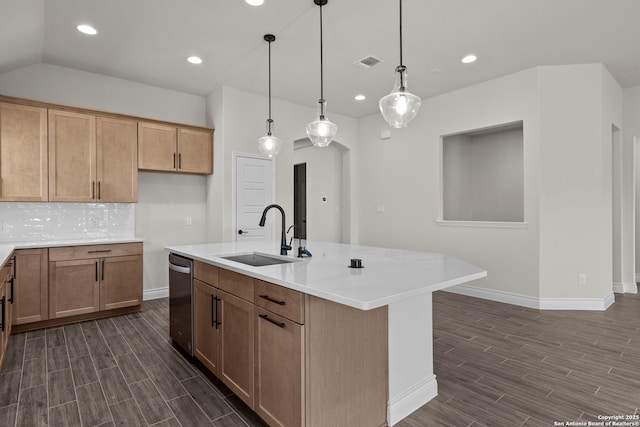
(483, 175)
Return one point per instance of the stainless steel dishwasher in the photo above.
(181, 301)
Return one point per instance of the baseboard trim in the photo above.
(155, 293)
(493, 295)
(533, 302)
(410, 400)
(625, 288)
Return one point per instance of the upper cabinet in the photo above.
(23, 153)
(72, 157)
(92, 158)
(50, 152)
(117, 160)
(174, 149)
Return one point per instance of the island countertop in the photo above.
(388, 276)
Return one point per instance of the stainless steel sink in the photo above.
(255, 259)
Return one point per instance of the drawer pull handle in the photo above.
(278, 324)
(99, 252)
(4, 314)
(272, 300)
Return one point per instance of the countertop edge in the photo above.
(7, 248)
(358, 304)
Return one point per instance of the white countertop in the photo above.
(7, 248)
(389, 275)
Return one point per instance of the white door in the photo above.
(254, 192)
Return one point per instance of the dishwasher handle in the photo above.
(180, 269)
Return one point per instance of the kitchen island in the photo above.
(398, 282)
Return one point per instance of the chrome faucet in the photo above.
(283, 240)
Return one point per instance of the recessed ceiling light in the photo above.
(254, 2)
(87, 29)
(360, 97)
(194, 59)
(469, 59)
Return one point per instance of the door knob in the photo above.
(241, 231)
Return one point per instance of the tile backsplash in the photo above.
(53, 221)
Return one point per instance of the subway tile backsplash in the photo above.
(53, 221)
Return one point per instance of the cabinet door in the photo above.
(236, 342)
(120, 282)
(73, 287)
(3, 320)
(157, 147)
(205, 328)
(117, 160)
(72, 157)
(23, 153)
(31, 286)
(195, 151)
(278, 373)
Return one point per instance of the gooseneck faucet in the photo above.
(283, 240)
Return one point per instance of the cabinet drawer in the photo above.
(206, 272)
(280, 300)
(94, 251)
(236, 284)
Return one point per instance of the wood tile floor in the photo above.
(496, 364)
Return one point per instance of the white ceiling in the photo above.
(148, 41)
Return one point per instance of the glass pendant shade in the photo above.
(400, 106)
(269, 145)
(322, 131)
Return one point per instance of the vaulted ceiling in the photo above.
(148, 41)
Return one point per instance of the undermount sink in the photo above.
(255, 259)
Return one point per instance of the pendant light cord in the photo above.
(321, 70)
(401, 34)
(270, 120)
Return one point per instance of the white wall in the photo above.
(403, 174)
(567, 114)
(324, 191)
(631, 130)
(241, 116)
(576, 181)
(165, 200)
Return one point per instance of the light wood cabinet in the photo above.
(72, 156)
(31, 286)
(87, 279)
(116, 160)
(236, 345)
(205, 325)
(5, 317)
(223, 327)
(92, 158)
(279, 371)
(120, 282)
(315, 363)
(23, 153)
(74, 287)
(174, 149)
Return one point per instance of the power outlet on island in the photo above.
(582, 279)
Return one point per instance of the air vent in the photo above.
(368, 62)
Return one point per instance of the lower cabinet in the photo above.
(278, 369)
(295, 359)
(236, 345)
(87, 279)
(6, 305)
(31, 286)
(205, 325)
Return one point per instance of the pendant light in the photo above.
(400, 106)
(269, 144)
(321, 131)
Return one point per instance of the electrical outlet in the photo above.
(94, 222)
(380, 209)
(189, 221)
(582, 279)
